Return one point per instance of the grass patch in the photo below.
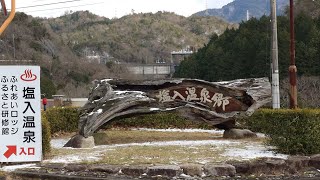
(163, 155)
(132, 136)
(149, 155)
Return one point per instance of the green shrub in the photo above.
(291, 131)
(157, 120)
(46, 136)
(63, 119)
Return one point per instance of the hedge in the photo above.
(46, 136)
(63, 119)
(163, 120)
(291, 131)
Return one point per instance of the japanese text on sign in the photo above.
(190, 94)
(20, 136)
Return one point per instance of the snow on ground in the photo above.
(251, 152)
(58, 143)
(181, 130)
(234, 148)
(172, 143)
(14, 167)
(74, 158)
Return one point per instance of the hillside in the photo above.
(139, 38)
(28, 38)
(311, 7)
(236, 11)
(61, 46)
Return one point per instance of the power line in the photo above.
(48, 4)
(65, 7)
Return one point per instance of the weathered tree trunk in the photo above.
(215, 103)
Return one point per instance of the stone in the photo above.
(220, 170)
(109, 169)
(315, 161)
(258, 167)
(165, 170)
(297, 163)
(53, 165)
(238, 134)
(241, 167)
(76, 167)
(276, 166)
(79, 141)
(135, 171)
(192, 169)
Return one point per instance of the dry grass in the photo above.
(162, 155)
(128, 136)
(173, 154)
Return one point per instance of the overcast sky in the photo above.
(114, 8)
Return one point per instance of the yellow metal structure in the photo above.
(10, 18)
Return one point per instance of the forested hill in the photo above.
(236, 11)
(310, 7)
(62, 46)
(142, 38)
(245, 52)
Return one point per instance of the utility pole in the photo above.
(292, 67)
(275, 67)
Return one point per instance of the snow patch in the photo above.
(154, 109)
(124, 92)
(252, 152)
(172, 143)
(106, 80)
(100, 111)
(15, 167)
(58, 143)
(181, 130)
(73, 159)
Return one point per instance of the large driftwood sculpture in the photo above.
(217, 103)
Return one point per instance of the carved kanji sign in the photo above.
(216, 103)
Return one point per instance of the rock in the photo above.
(220, 170)
(79, 141)
(276, 166)
(238, 134)
(241, 167)
(296, 163)
(76, 167)
(109, 169)
(315, 161)
(53, 165)
(135, 171)
(258, 167)
(165, 170)
(192, 169)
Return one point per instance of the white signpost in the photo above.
(20, 114)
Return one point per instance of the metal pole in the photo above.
(10, 18)
(275, 68)
(292, 67)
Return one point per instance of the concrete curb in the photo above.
(294, 166)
